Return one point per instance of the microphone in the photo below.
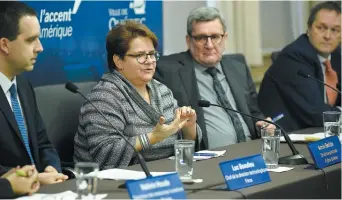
(295, 159)
(74, 89)
(303, 74)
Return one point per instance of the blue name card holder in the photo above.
(244, 172)
(325, 152)
(159, 187)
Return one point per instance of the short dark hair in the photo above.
(10, 14)
(327, 5)
(119, 38)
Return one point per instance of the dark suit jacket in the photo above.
(5, 189)
(300, 99)
(177, 73)
(12, 148)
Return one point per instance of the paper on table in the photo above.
(58, 196)
(304, 137)
(280, 169)
(218, 153)
(125, 174)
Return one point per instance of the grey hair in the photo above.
(204, 14)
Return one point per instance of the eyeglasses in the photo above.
(142, 57)
(323, 29)
(202, 39)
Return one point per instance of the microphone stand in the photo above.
(295, 159)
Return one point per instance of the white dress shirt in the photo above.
(6, 84)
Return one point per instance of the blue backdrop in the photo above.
(74, 37)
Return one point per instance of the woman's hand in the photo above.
(189, 114)
(162, 130)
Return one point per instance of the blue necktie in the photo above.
(222, 97)
(20, 119)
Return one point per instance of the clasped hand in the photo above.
(22, 185)
(50, 176)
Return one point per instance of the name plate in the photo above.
(245, 172)
(326, 152)
(160, 187)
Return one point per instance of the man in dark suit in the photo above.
(318, 54)
(23, 138)
(203, 72)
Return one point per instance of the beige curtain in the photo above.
(243, 27)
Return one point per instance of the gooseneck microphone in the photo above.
(295, 159)
(305, 75)
(74, 89)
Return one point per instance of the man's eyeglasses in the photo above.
(202, 39)
(142, 57)
(323, 29)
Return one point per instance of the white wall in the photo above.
(276, 26)
(278, 23)
(175, 14)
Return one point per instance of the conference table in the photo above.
(304, 181)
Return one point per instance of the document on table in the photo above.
(280, 169)
(205, 154)
(304, 137)
(59, 196)
(125, 174)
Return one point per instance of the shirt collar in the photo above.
(322, 59)
(202, 68)
(5, 83)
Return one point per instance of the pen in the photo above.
(205, 154)
(311, 139)
(281, 115)
(276, 118)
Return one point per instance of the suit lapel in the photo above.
(319, 72)
(186, 74)
(188, 77)
(7, 111)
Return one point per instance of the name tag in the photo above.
(245, 172)
(160, 187)
(326, 152)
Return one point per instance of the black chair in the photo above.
(60, 110)
(274, 55)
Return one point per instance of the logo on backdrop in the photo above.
(118, 15)
(73, 34)
(138, 6)
(55, 24)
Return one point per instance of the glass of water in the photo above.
(270, 146)
(184, 154)
(86, 179)
(332, 123)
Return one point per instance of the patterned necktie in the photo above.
(20, 119)
(332, 80)
(222, 97)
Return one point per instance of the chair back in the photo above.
(60, 110)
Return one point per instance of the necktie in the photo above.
(222, 97)
(330, 79)
(20, 119)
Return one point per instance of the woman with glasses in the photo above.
(139, 107)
